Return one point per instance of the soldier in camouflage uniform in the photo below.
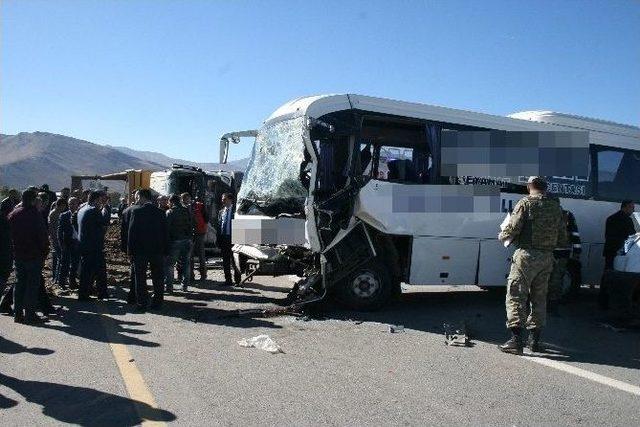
(536, 228)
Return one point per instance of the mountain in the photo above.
(159, 158)
(36, 158)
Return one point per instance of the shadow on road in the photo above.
(6, 403)
(259, 286)
(85, 320)
(198, 312)
(191, 306)
(82, 405)
(10, 347)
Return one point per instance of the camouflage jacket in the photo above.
(536, 223)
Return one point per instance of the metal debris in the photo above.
(457, 336)
(269, 312)
(395, 329)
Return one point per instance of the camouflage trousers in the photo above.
(527, 284)
(555, 281)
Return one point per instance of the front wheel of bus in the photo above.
(367, 288)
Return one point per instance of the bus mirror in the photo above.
(234, 137)
(224, 150)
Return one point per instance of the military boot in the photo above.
(514, 345)
(533, 341)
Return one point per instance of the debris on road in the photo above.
(269, 312)
(395, 329)
(262, 342)
(457, 337)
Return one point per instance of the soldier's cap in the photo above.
(539, 179)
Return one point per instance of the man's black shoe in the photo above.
(141, 308)
(84, 298)
(103, 296)
(34, 320)
(514, 344)
(155, 306)
(51, 310)
(533, 341)
(18, 318)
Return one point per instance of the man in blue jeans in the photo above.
(180, 230)
(30, 245)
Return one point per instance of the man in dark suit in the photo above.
(68, 240)
(92, 220)
(125, 220)
(618, 228)
(147, 245)
(224, 239)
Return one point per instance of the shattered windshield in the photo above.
(272, 182)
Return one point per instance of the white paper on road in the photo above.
(263, 342)
(504, 224)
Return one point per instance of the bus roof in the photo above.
(578, 122)
(602, 132)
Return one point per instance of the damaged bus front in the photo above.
(296, 206)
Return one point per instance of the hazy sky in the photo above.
(172, 76)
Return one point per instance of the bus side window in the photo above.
(618, 174)
(396, 164)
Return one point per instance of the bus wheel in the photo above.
(367, 288)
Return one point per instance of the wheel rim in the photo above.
(365, 284)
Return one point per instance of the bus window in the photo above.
(618, 174)
(396, 164)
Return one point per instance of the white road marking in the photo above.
(583, 373)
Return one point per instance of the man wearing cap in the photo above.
(536, 228)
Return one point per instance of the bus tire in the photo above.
(367, 288)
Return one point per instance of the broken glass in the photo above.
(273, 172)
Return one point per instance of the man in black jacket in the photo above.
(92, 220)
(124, 242)
(618, 227)
(147, 246)
(30, 246)
(180, 231)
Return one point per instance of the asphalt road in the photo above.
(101, 364)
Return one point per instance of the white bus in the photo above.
(321, 193)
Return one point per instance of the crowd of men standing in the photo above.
(161, 235)
(155, 234)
